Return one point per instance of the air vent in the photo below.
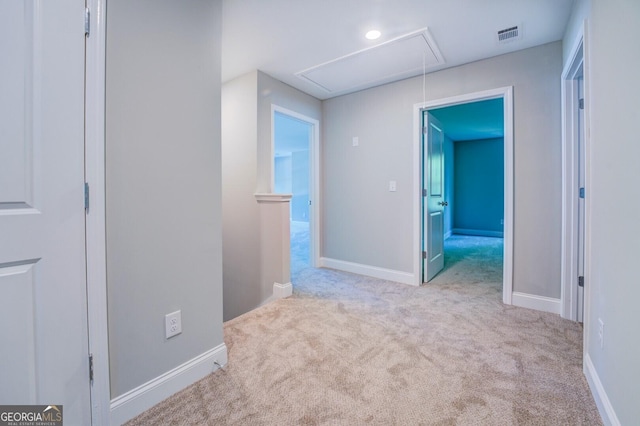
(509, 34)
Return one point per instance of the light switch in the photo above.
(392, 186)
(356, 141)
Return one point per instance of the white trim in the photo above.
(127, 406)
(506, 93)
(369, 271)
(478, 232)
(539, 303)
(314, 181)
(587, 205)
(569, 247)
(272, 198)
(281, 291)
(95, 219)
(605, 408)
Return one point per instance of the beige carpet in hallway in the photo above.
(352, 350)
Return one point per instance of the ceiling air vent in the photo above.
(509, 34)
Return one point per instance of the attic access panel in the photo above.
(403, 57)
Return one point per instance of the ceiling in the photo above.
(297, 41)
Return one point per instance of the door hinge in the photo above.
(581, 103)
(580, 281)
(581, 192)
(424, 254)
(87, 22)
(91, 367)
(424, 192)
(86, 196)
(424, 130)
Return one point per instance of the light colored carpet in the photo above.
(351, 350)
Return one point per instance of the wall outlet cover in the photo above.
(173, 324)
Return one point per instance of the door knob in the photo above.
(443, 203)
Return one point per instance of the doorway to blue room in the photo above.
(292, 175)
(471, 203)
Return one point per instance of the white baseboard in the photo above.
(280, 291)
(127, 406)
(478, 232)
(448, 234)
(539, 303)
(369, 271)
(597, 390)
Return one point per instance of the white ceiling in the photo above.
(286, 37)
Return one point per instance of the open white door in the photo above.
(43, 298)
(581, 195)
(433, 197)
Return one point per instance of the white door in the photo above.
(43, 303)
(433, 197)
(581, 186)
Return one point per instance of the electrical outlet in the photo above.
(356, 141)
(601, 332)
(392, 186)
(173, 324)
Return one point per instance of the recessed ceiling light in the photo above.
(373, 34)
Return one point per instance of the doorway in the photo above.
(574, 189)
(506, 95)
(472, 174)
(294, 165)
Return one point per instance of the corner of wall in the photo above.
(136, 401)
(600, 396)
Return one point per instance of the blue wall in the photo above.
(448, 185)
(292, 177)
(478, 187)
(292, 138)
(300, 186)
(282, 179)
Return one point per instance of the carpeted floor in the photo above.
(352, 350)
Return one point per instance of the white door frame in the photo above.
(314, 182)
(95, 220)
(506, 94)
(570, 162)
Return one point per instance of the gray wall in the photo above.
(247, 168)
(240, 220)
(613, 202)
(360, 215)
(164, 249)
